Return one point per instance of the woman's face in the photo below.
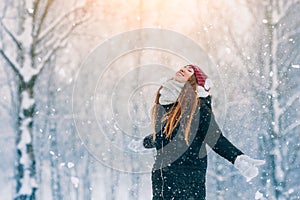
(184, 74)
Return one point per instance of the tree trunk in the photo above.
(55, 176)
(25, 164)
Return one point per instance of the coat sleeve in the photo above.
(158, 143)
(215, 138)
(160, 140)
(149, 142)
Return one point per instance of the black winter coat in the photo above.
(179, 169)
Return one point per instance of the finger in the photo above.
(255, 161)
(259, 162)
(251, 173)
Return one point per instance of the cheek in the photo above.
(189, 75)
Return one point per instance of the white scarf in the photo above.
(171, 89)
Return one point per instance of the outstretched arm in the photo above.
(214, 137)
(140, 144)
(219, 143)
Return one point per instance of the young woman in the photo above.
(183, 124)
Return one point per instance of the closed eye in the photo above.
(189, 68)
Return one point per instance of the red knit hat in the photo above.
(202, 79)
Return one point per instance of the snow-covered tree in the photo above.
(272, 64)
(31, 33)
(265, 45)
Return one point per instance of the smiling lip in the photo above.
(179, 73)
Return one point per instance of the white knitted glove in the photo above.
(136, 145)
(247, 166)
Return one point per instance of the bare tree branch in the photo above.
(60, 42)
(12, 96)
(244, 60)
(291, 100)
(46, 45)
(42, 19)
(291, 127)
(4, 106)
(251, 7)
(295, 53)
(58, 21)
(4, 10)
(11, 63)
(18, 43)
(289, 34)
(282, 10)
(36, 4)
(293, 164)
(236, 46)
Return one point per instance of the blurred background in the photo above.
(50, 148)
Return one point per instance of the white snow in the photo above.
(27, 102)
(30, 10)
(26, 185)
(75, 181)
(295, 66)
(279, 171)
(228, 50)
(62, 73)
(70, 165)
(258, 195)
(290, 191)
(25, 136)
(95, 169)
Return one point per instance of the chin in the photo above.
(179, 79)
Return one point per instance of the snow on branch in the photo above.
(291, 127)
(58, 21)
(47, 45)
(59, 43)
(291, 100)
(25, 137)
(27, 102)
(28, 73)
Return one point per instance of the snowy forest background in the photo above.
(255, 46)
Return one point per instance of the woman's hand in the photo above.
(248, 166)
(136, 145)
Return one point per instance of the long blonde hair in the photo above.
(181, 111)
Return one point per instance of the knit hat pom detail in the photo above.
(208, 84)
(202, 92)
(202, 78)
